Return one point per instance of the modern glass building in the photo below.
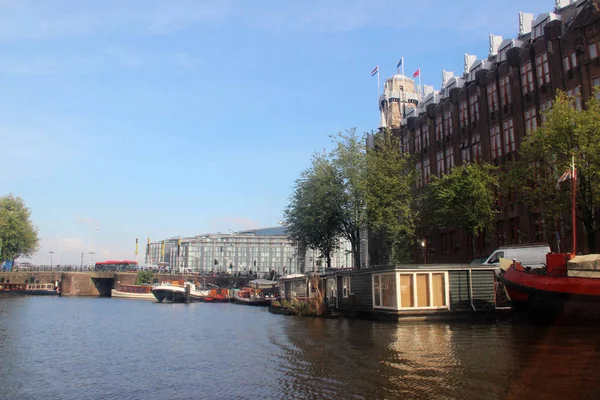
(258, 251)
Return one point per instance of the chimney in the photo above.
(469, 61)
(446, 75)
(560, 4)
(525, 22)
(495, 42)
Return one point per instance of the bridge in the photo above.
(100, 283)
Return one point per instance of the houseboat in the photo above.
(253, 297)
(425, 292)
(36, 289)
(141, 292)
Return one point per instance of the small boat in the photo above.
(170, 292)
(36, 289)
(253, 297)
(141, 292)
(218, 295)
(197, 294)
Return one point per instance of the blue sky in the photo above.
(148, 118)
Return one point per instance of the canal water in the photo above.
(82, 348)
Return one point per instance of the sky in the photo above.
(125, 119)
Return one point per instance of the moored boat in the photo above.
(218, 295)
(170, 292)
(141, 292)
(36, 289)
(568, 289)
(253, 297)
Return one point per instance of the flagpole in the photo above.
(402, 65)
(573, 205)
(378, 88)
(420, 87)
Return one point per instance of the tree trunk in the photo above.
(591, 242)
(329, 259)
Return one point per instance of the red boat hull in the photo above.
(553, 297)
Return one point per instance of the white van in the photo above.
(532, 255)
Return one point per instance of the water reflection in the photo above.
(119, 349)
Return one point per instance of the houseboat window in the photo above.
(346, 286)
(416, 290)
(384, 290)
(407, 293)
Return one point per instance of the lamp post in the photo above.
(92, 247)
(51, 261)
(81, 266)
(424, 245)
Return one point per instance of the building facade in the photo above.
(252, 251)
(484, 114)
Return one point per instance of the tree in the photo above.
(144, 277)
(18, 234)
(463, 198)
(349, 160)
(545, 155)
(313, 217)
(390, 178)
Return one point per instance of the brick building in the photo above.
(483, 115)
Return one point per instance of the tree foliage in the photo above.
(313, 216)
(463, 198)
(389, 200)
(144, 277)
(349, 160)
(18, 233)
(545, 155)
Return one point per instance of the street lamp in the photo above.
(51, 262)
(92, 247)
(424, 245)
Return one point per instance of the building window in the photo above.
(505, 91)
(543, 70)
(440, 163)
(495, 142)
(492, 93)
(527, 78)
(500, 233)
(530, 120)
(416, 290)
(418, 147)
(449, 159)
(345, 286)
(425, 136)
(443, 243)
(448, 123)
(438, 128)
(463, 116)
(596, 87)
(569, 61)
(509, 136)
(465, 151)
(405, 148)
(575, 93)
(538, 228)
(544, 108)
(474, 108)
(419, 169)
(426, 170)
(476, 147)
(594, 49)
(514, 230)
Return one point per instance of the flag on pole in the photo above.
(399, 63)
(565, 177)
(376, 70)
(136, 246)
(417, 73)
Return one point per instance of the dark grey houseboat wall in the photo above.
(361, 287)
(460, 292)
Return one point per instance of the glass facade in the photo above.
(257, 251)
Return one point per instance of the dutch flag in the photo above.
(376, 70)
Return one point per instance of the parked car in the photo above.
(533, 256)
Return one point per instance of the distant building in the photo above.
(484, 113)
(255, 250)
